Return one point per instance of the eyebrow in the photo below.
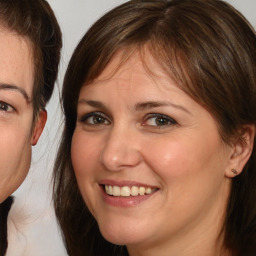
(11, 87)
(140, 106)
(93, 103)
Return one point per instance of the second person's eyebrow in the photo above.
(12, 87)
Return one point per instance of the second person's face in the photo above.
(149, 160)
(16, 111)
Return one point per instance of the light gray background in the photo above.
(32, 226)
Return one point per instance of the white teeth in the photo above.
(134, 191)
(148, 191)
(142, 191)
(109, 189)
(126, 191)
(116, 191)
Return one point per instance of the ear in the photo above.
(39, 126)
(241, 151)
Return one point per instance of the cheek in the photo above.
(85, 154)
(178, 158)
(15, 160)
(173, 159)
(191, 177)
(14, 143)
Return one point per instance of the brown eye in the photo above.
(162, 121)
(159, 120)
(5, 107)
(98, 120)
(95, 118)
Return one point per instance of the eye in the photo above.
(95, 118)
(6, 107)
(159, 120)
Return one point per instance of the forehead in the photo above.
(16, 64)
(127, 61)
(138, 78)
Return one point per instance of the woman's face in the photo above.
(16, 111)
(149, 160)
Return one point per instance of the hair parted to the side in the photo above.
(35, 20)
(209, 49)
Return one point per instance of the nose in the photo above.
(120, 150)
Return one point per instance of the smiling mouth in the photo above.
(126, 191)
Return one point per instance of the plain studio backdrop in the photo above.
(32, 226)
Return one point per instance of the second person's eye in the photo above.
(5, 107)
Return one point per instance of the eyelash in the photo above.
(166, 119)
(84, 119)
(103, 120)
(6, 107)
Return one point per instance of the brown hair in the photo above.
(35, 20)
(209, 49)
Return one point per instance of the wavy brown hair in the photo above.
(209, 49)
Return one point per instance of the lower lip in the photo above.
(121, 201)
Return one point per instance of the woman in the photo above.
(29, 58)
(157, 155)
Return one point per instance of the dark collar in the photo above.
(4, 210)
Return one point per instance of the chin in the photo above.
(123, 240)
(121, 235)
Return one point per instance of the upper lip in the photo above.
(123, 183)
